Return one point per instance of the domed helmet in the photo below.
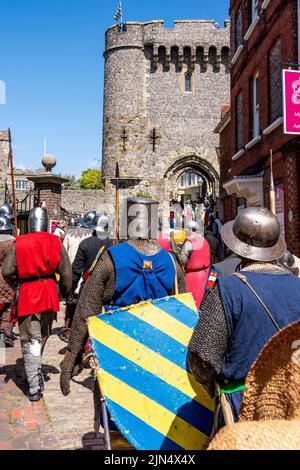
(255, 235)
(38, 220)
(100, 223)
(86, 221)
(5, 224)
(142, 219)
(192, 225)
(287, 259)
(7, 210)
(72, 222)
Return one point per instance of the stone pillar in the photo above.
(49, 187)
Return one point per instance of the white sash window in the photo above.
(255, 105)
(254, 13)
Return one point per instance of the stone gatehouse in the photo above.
(164, 88)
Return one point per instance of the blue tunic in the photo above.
(134, 281)
(248, 324)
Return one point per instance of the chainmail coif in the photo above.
(209, 343)
(97, 292)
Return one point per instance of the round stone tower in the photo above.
(124, 99)
(164, 89)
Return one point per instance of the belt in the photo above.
(233, 387)
(40, 278)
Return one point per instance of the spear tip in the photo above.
(117, 170)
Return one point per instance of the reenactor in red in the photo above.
(31, 266)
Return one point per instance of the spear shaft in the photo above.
(272, 187)
(11, 163)
(117, 202)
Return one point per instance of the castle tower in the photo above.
(164, 88)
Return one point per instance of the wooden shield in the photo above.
(144, 376)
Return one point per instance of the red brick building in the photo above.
(264, 38)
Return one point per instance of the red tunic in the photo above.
(38, 255)
(197, 269)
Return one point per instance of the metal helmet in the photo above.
(7, 210)
(100, 223)
(255, 235)
(86, 221)
(72, 222)
(287, 259)
(5, 224)
(192, 225)
(142, 219)
(38, 220)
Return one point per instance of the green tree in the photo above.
(72, 182)
(143, 195)
(91, 179)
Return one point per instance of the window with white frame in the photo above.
(239, 122)
(255, 106)
(254, 10)
(21, 184)
(238, 28)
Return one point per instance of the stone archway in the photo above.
(193, 163)
(205, 164)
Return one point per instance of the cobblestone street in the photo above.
(55, 422)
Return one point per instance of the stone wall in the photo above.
(145, 70)
(82, 201)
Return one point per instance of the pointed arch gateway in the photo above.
(196, 164)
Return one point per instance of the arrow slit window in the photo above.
(188, 82)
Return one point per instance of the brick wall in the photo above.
(277, 23)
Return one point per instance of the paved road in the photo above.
(55, 422)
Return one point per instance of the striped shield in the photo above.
(144, 375)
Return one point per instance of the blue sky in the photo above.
(51, 61)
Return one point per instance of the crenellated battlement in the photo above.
(164, 88)
(189, 41)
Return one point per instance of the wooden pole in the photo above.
(272, 187)
(11, 163)
(117, 203)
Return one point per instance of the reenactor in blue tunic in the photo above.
(242, 312)
(136, 270)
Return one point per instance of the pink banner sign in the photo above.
(291, 101)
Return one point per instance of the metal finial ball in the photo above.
(49, 162)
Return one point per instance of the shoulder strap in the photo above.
(245, 281)
(176, 277)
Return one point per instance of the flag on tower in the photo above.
(118, 15)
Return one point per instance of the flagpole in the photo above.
(272, 186)
(121, 11)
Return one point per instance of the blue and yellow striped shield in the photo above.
(144, 376)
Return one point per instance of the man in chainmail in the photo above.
(31, 266)
(135, 270)
(71, 243)
(242, 312)
(6, 292)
